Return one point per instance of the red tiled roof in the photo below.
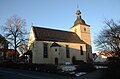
(46, 34)
(106, 54)
(11, 52)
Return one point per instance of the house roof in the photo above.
(12, 51)
(106, 54)
(2, 38)
(29, 52)
(47, 34)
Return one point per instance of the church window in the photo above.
(45, 48)
(81, 50)
(67, 52)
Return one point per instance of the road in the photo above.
(6, 73)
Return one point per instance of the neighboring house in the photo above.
(52, 46)
(11, 54)
(3, 47)
(94, 56)
(102, 57)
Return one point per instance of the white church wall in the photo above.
(74, 50)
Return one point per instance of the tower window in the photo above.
(81, 50)
(45, 48)
(67, 52)
(84, 29)
(75, 30)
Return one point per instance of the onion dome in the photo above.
(79, 20)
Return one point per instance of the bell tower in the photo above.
(83, 31)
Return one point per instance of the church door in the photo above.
(56, 60)
(73, 59)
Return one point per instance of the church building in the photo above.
(53, 46)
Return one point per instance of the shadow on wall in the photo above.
(78, 55)
(89, 53)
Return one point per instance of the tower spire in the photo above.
(77, 4)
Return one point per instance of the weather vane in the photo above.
(77, 6)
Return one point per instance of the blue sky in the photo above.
(60, 14)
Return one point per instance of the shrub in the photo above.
(85, 67)
(27, 66)
(113, 62)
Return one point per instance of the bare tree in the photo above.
(14, 31)
(108, 40)
(23, 47)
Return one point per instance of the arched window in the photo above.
(81, 50)
(67, 52)
(84, 29)
(45, 48)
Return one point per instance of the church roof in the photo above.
(47, 34)
(2, 39)
(79, 20)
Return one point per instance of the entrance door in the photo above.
(73, 59)
(56, 60)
